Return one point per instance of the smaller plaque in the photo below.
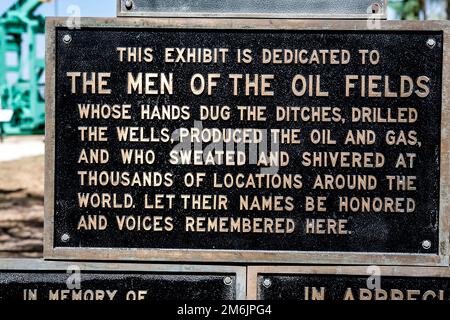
(30, 280)
(325, 9)
(348, 283)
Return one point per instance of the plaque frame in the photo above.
(253, 272)
(247, 256)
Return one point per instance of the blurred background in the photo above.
(22, 105)
(419, 9)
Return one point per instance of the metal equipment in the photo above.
(20, 67)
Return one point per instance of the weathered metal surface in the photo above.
(44, 280)
(377, 239)
(348, 283)
(332, 9)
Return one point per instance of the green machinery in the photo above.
(21, 69)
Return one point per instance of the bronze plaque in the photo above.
(247, 141)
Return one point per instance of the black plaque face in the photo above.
(114, 286)
(351, 287)
(382, 194)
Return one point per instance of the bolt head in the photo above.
(228, 281)
(376, 8)
(426, 244)
(267, 283)
(129, 4)
(67, 38)
(431, 43)
(65, 237)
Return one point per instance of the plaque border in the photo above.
(121, 11)
(239, 272)
(247, 256)
(253, 272)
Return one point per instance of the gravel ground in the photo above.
(21, 207)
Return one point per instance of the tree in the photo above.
(448, 9)
(410, 9)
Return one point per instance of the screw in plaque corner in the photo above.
(377, 8)
(129, 4)
(431, 43)
(228, 281)
(426, 244)
(267, 283)
(67, 38)
(65, 237)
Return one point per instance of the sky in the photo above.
(88, 8)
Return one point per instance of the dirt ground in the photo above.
(22, 207)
